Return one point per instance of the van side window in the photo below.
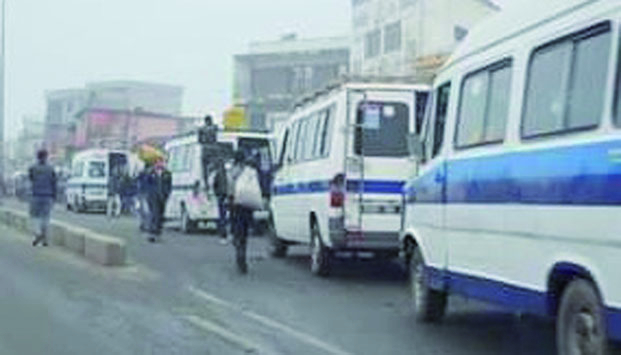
(293, 146)
(299, 151)
(567, 83)
(283, 149)
(326, 134)
(484, 106)
(441, 111)
(311, 137)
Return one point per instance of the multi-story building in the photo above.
(129, 95)
(62, 107)
(272, 74)
(122, 129)
(66, 107)
(410, 37)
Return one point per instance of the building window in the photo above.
(567, 83)
(392, 37)
(372, 44)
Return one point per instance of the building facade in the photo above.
(410, 37)
(271, 75)
(69, 110)
(123, 129)
(130, 95)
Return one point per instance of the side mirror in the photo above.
(415, 146)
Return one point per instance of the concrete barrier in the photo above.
(101, 249)
(104, 250)
(73, 239)
(57, 234)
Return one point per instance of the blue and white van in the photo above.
(191, 205)
(343, 162)
(518, 197)
(87, 187)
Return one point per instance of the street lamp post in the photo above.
(2, 93)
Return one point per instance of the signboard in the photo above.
(235, 118)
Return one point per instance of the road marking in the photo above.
(266, 321)
(223, 333)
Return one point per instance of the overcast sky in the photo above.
(54, 44)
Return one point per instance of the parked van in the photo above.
(191, 204)
(87, 187)
(517, 199)
(343, 162)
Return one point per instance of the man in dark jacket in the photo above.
(220, 187)
(143, 192)
(159, 189)
(43, 183)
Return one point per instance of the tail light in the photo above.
(337, 191)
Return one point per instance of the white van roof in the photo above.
(515, 18)
(97, 154)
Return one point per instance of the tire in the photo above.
(580, 326)
(429, 305)
(278, 248)
(320, 261)
(187, 225)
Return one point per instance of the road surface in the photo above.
(184, 296)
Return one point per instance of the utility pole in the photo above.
(3, 139)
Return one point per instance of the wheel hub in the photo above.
(585, 335)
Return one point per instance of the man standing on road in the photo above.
(220, 187)
(143, 193)
(160, 186)
(43, 182)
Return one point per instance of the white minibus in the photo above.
(518, 196)
(343, 162)
(191, 205)
(87, 187)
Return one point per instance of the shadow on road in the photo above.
(356, 270)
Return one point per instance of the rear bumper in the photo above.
(372, 241)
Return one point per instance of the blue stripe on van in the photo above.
(587, 174)
(88, 186)
(369, 186)
(507, 295)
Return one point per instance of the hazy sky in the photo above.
(53, 44)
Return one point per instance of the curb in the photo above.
(101, 249)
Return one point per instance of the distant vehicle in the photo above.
(87, 187)
(517, 200)
(343, 162)
(192, 204)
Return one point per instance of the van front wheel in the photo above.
(429, 305)
(580, 325)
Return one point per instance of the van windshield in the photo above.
(382, 129)
(97, 169)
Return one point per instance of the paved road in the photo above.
(184, 296)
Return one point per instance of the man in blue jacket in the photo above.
(43, 183)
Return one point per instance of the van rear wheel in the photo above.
(320, 254)
(187, 225)
(429, 305)
(580, 327)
